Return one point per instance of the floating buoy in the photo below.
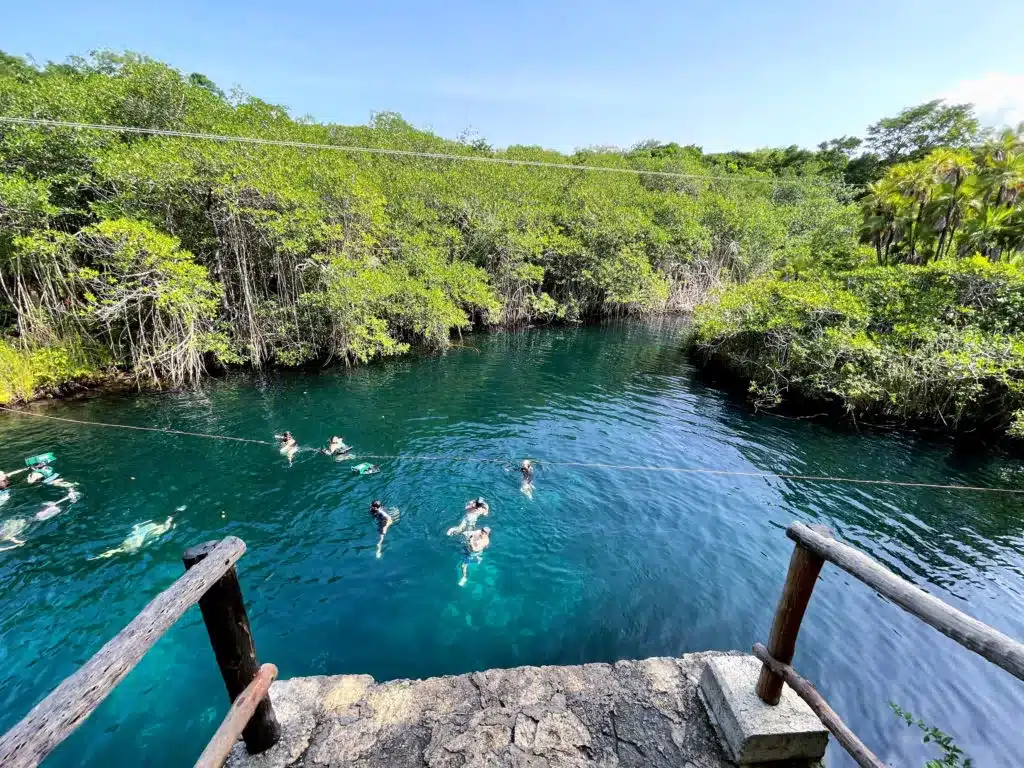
(366, 468)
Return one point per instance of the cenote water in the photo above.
(600, 565)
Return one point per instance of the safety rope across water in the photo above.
(162, 430)
(553, 463)
(703, 471)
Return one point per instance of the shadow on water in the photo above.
(600, 564)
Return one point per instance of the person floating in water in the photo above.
(287, 445)
(10, 531)
(384, 518)
(49, 476)
(476, 542)
(5, 483)
(366, 468)
(141, 535)
(336, 446)
(52, 508)
(526, 470)
(475, 508)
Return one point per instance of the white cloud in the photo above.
(998, 97)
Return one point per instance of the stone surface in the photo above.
(754, 731)
(629, 714)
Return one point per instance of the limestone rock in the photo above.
(632, 713)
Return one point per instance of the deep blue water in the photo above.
(600, 565)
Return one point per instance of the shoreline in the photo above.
(716, 374)
(709, 372)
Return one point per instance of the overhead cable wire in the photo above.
(555, 463)
(228, 138)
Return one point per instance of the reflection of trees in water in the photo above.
(520, 372)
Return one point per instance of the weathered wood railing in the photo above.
(210, 579)
(814, 547)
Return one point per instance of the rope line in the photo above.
(45, 123)
(165, 431)
(705, 471)
(552, 463)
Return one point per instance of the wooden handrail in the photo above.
(54, 718)
(848, 739)
(227, 624)
(237, 719)
(815, 546)
(998, 648)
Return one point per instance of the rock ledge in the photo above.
(631, 713)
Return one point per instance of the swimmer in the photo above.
(52, 508)
(10, 530)
(141, 535)
(526, 470)
(366, 468)
(336, 446)
(384, 520)
(287, 445)
(474, 509)
(476, 543)
(5, 481)
(45, 473)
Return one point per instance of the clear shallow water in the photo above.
(600, 565)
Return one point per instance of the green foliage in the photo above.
(24, 372)
(952, 755)
(941, 345)
(172, 251)
(916, 131)
(951, 202)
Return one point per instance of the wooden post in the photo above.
(227, 623)
(804, 567)
(54, 718)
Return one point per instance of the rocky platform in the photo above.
(631, 713)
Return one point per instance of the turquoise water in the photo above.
(599, 565)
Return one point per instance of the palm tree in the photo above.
(951, 170)
(885, 208)
(985, 231)
(916, 182)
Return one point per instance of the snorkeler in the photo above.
(336, 446)
(474, 509)
(46, 473)
(476, 543)
(384, 518)
(52, 508)
(287, 445)
(526, 470)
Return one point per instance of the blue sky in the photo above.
(724, 75)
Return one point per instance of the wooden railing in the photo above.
(210, 579)
(814, 547)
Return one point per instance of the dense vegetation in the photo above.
(163, 256)
(881, 275)
(928, 326)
